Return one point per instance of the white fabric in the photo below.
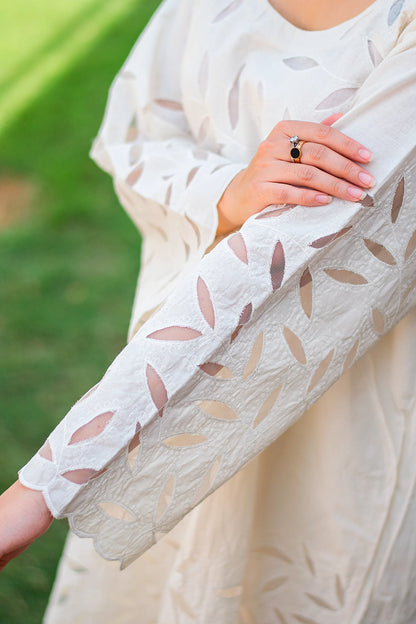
(313, 529)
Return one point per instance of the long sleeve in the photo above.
(247, 341)
(168, 175)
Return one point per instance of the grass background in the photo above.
(69, 260)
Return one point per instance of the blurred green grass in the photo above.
(68, 265)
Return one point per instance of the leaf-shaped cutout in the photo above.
(135, 175)
(282, 619)
(133, 451)
(395, 11)
(165, 498)
(181, 602)
(82, 475)
(132, 130)
(295, 345)
(321, 370)
(320, 602)
(216, 370)
(346, 277)
(237, 244)
(235, 333)
(217, 409)
(218, 167)
(199, 153)
(203, 74)
(336, 98)
(175, 332)
(325, 240)
(379, 251)
(168, 195)
(234, 100)
(92, 429)
(74, 565)
(276, 212)
(339, 590)
(411, 246)
(203, 130)
(397, 201)
(277, 267)
(274, 552)
(260, 92)
(230, 592)
(254, 357)
(185, 439)
(379, 320)
(208, 480)
(267, 406)
(274, 583)
(300, 63)
(375, 55)
(230, 8)
(351, 356)
(205, 302)
(367, 201)
(306, 291)
(304, 620)
(134, 153)
(160, 231)
(187, 250)
(309, 561)
(245, 315)
(156, 387)
(171, 104)
(191, 175)
(119, 512)
(195, 229)
(45, 451)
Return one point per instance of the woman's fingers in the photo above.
(277, 193)
(310, 177)
(323, 134)
(327, 160)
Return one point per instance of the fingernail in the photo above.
(356, 192)
(365, 154)
(323, 199)
(367, 179)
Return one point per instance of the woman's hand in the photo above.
(328, 168)
(24, 516)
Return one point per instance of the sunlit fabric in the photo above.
(229, 349)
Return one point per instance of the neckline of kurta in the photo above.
(324, 34)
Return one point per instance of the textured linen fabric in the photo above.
(316, 528)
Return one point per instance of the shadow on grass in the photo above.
(69, 272)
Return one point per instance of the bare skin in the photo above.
(331, 164)
(319, 14)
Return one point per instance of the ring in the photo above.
(296, 150)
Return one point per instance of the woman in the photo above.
(316, 527)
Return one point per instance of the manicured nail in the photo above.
(356, 193)
(365, 154)
(323, 199)
(367, 179)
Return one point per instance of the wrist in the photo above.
(228, 218)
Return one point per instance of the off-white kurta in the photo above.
(318, 528)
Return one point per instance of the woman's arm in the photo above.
(24, 517)
(299, 286)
